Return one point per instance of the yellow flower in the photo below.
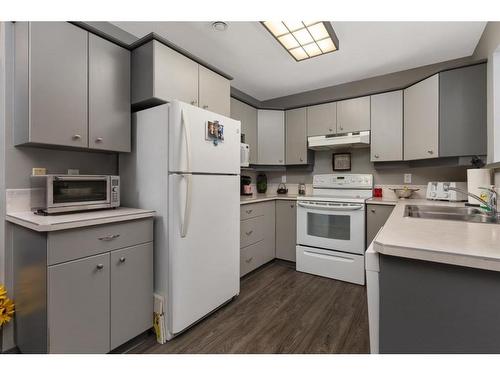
(6, 307)
(3, 293)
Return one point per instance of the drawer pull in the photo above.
(372, 210)
(249, 233)
(100, 267)
(249, 260)
(249, 211)
(123, 259)
(109, 238)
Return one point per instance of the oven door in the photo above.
(78, 191)
(331, 226)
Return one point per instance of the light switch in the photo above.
(407, 179)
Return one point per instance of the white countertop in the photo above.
(50, 223)
(383, 201)
(460, 243)
(255, 198)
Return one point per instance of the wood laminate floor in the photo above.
(278, 310)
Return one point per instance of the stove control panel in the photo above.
(343, 181)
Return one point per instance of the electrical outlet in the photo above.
(407, 178)
(283, 178)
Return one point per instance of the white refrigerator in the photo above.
(185, 164)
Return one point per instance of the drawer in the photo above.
(248, 211)
(77, 243)
(332, 264)
(254, 256)
(251, 231)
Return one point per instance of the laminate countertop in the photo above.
(256, 198)
(51, 223)
(475, 245)
(383, 201)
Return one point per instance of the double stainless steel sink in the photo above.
(469, 214)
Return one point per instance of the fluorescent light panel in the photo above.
(304, 39)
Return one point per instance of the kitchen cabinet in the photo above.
(387, 126)
(75, 286)
(376, 216)
(109, 96)
(257, 234)
(286, 230)
(50, 77)
(322, 119)
(160, 74)
(421, 119)
(248, 117)
(353, 115)
(270, 137)
(462, 111)
(296, 136)
(214, 92)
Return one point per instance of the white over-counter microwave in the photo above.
(66, 193)
(244, 155)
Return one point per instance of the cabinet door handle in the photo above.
(301, 159)
(98, 140)
(430, 152)
(249, 260)
(109, 238)
(372, 210)
(123, 259)
(249, 211)
(292, 206)
(205, 107)
(280, 161)
(77, 137)
(100, 266)
(330, 129)
(249, 233)
(193, 102)
(376, 156)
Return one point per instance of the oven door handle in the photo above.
(331, 208)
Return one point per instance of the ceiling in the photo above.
(264, 70)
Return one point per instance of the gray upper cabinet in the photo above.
(421, 119)
(462, 111)
(50, 84)
(214, 92)
(322, 119)
(248, 117)
(109, 96)
(286, 230)
(353, 115)
(271, 137)
(296, 136)
(387, 126)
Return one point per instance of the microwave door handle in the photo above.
(187, 137)
(331, 208)
(187, 206)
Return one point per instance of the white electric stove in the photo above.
(331, 227)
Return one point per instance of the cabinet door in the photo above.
(421, 119)
(387, 126)
(131, 276)
(109, 96)
(296, 136)
(462, 111)
(248, 117)
(376, 216)
(269, 220)
(271, 137)
(78, 306)
(58, 84)
(286, 230)
(175, 76)
(353, 115)
(214, 92)
(321, 119)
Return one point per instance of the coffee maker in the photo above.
(245, 185)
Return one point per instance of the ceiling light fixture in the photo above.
(304, 39)
(219, 26)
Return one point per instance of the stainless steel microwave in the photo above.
(66, 193)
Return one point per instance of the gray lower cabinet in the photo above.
(286, 230)
(109, 96)
(214, 92)
(257, 235)
(376, 216)
(353, 115)
(91, 296)
(387, 127)
(247, 115)
(296, 136)
(322, 119)
(50, 80)
(462, 111)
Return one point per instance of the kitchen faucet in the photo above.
(492, 200)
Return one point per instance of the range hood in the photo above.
(329, 142)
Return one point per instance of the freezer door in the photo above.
(204, 254)
(202, 142)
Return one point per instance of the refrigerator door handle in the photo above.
(187, 207)
(187, 137)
